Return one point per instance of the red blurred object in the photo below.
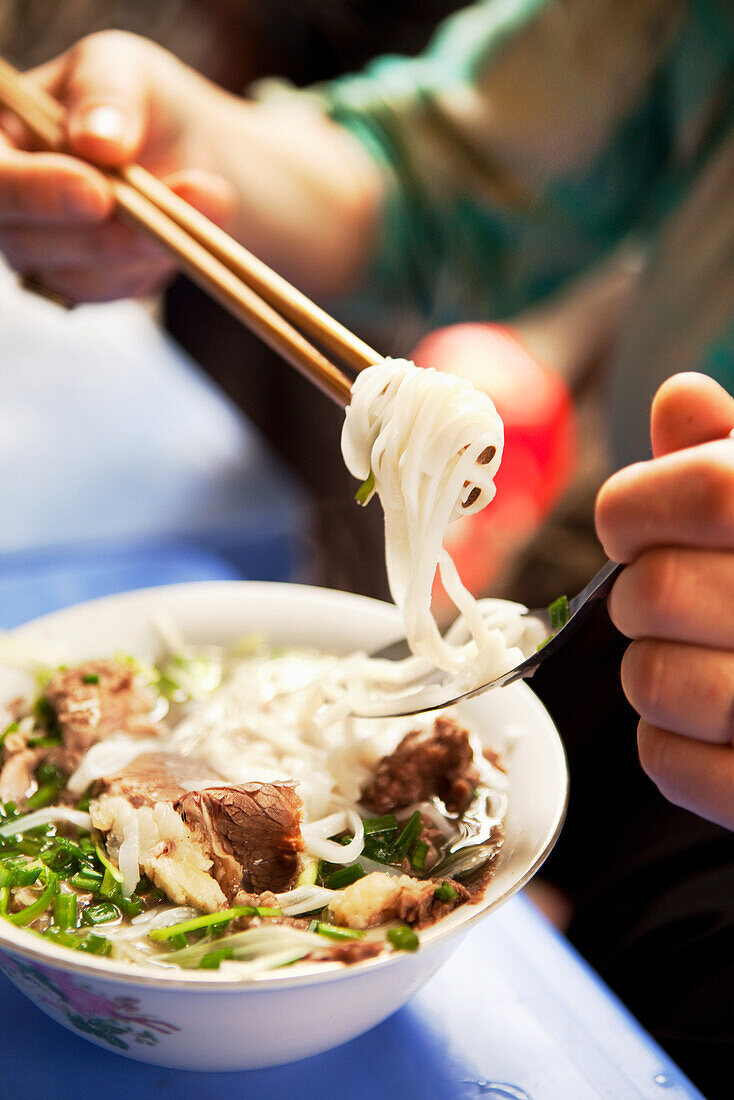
(540, 448)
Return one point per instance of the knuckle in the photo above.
(652, 752)
(715, 493)
(644, 670)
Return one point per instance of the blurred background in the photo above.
(131, 430)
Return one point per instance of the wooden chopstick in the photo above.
(246, 286)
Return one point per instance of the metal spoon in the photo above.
(437, 689)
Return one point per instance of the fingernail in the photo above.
(106, 122)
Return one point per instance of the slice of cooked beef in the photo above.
(253, 832)
(158, 777)
(224, 839)
(94, 700)
(166, 849)
(380, 897)
(426, 763)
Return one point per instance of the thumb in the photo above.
(689, 409)
(106, 97)
(212, 195)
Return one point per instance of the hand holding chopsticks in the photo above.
(243, 284)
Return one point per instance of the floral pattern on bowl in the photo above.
(115, 1022)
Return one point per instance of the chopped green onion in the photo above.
(102, 913)
(345, 876)
(60, 936)
(31, 912)
(131, 907)
(178, 942)
(102, 857)
(43, 711)
(65, 915)
(403, 938)
(407, 838)
(6, 875)
(446, 892)
(4, 899)
(83, 803)
(206, 921)
(212, 960)
(560, 613)
(95, 945)
(86, 880)
(366, 489)
(418, 855)
(335, 932)
(90, 678)
(268, 911)
(26, 876)
(385, 824)
(48, 741)
(43, 796)
(110, 886)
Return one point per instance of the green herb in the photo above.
(560, 613)
(366, 489)
(43, 711)
(89, 881)
(95, 945)
(26, 876)
(212, 960)
(4, 899)
(48, 741)
(102, 913)
(407, 838)
(418, 855)
(12, 728)
(65, 915)
(83, 803)
(90, 678)
(388, 823)
(345, 876)
(403, 938)
(335, 932)
(446, 892)
(31, 912)
(178, 942)
(43, 796)
(208, 920)
(102, 857)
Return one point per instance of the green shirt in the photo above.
(530, 139)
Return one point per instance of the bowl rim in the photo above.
(16, 941)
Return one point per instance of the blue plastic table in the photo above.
(514, 1014)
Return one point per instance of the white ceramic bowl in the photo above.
(203, 1020)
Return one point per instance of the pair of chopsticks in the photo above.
(239, 281)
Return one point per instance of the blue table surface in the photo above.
(514, 1013)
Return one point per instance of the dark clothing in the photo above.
(653, 885)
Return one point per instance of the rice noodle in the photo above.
(47, 816)
(314, 836)
(434, 444)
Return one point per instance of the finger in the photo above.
(50, 189)
(45, 248)
(681, 499)
(106, 96)
(684, 688)
(691, 774)
(212, 195)
(689, 409)
(107, 284)
(680, 595)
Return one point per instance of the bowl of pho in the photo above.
(204, 851)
